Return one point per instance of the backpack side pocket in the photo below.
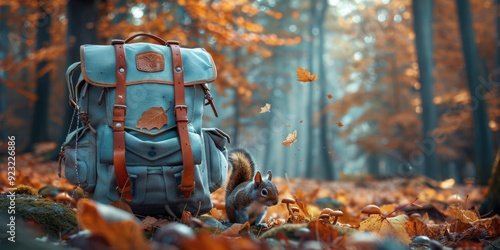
(215, 141)
(79, 159)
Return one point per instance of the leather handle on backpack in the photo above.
(156, 38)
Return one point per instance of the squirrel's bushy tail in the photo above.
(241, 167)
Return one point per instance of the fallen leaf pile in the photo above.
(417, 213)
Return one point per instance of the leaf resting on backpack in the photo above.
(155, 117)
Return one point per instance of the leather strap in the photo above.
(181, 119)
(156, 38)
(124, 187)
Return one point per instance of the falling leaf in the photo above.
(340, 124)
(303, 75)
(112, 224)
(387, 227)
(155, 117)
(266, 108)
(290, 139)
(301, 121)
(329, 96)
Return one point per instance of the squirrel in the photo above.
(248, 194)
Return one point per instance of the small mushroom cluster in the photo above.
(327, 213)
(291, 210)
(371, 209)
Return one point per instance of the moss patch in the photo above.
(24, 189)
(54, 218)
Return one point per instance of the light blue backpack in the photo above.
(141, 140)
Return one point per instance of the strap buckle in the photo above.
(117, 41)
(180, 112)
(185, 191)
(117, 107)
(174, 42)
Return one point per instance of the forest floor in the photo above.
(416, 213)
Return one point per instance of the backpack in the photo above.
(141, 140)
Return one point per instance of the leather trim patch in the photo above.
(150, 61)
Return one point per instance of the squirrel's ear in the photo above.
(257, 179)
(269, 175)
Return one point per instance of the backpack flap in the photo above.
(146, 63)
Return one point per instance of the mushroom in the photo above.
(371, 209)
(63, 198)
(288, 201)
(415, 216)
(337, 214)
(326, 213)
(455, 199)
(325, 218)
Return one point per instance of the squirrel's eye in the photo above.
(263, 192)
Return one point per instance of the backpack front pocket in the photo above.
(79, 161)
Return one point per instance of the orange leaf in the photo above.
(112, 224)
(387, 227)
(416, 227)
(186, 216)
(329, 96)
(290, 139)
(155, 117)
(322, 232)
(303, 75)
(339, 124)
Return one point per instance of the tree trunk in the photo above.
(496, 78)
(422, 10)
(80, 13)
(491, 204)
(40, 124)
(4, 44)
(310, 99)
(483, 145)
(326, 142)
(237, 105)
(373, 164)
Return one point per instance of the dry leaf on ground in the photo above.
(112, 224)
(387, 227)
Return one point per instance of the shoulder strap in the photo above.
(124, 187)
(119, 111)
(181, 119)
